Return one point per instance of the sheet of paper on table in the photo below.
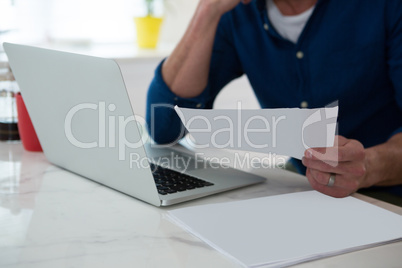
(291, 228)
(281, 131)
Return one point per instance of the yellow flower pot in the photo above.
(147, 31)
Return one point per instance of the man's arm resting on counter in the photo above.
(354, 166)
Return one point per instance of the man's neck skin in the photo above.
(294, 7)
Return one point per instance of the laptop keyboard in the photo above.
(169, 181)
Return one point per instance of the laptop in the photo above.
(84, 120)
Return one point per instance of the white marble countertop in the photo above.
(52, 218)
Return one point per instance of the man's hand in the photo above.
(346, 160)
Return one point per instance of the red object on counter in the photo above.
(26, 130)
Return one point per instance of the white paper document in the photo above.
(291, 228)
(281, 131)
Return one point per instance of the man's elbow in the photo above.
(168, 134)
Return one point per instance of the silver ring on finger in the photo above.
(331, 180)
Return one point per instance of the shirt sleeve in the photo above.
(394, 45)
(163, 124)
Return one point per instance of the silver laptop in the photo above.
(84, 120)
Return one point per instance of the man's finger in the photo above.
(341, 181)
(331, 191)
(344, 168)
(350, 151)
(340, 140)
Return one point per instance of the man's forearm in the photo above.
(186, 69)
(384, 163)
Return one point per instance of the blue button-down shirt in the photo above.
(350, 51)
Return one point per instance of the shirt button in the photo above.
(304, 104)
(175, 98)
(299, 55)
(266, 27)
(198, 105)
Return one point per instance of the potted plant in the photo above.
(148, 27)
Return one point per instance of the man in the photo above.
(299, 53)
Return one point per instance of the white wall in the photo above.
(84, 21)
(178, 14)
